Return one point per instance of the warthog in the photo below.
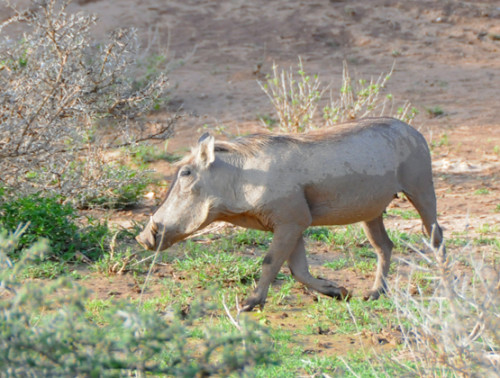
(282, 183)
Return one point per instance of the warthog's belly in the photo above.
(351, 198)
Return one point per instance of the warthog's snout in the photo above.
(147, 238)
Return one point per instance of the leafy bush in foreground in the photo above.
(45, 331)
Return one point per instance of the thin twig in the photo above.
(233, 321)
(153, 263)
(144, 259)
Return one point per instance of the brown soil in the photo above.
(447, 55)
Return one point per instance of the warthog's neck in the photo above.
(238, 189)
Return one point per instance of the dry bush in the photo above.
(453, 329)
(296, 99)
(67, 99)
(362, 98)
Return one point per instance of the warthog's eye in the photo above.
(185, 172)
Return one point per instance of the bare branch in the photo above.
(233, 321)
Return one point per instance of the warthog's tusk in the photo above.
(154, 226)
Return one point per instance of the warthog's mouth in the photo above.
(152, 243)
(151, 239)
(148, 238)
(147, 242)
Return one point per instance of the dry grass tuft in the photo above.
(454, 329)
(296, 98)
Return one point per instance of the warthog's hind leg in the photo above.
(377, 235)
(425, 203)
(297, 262)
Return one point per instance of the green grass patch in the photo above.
(249, 237)
(403, 240)
(488, 229)
(143, 154)
(355, 315)
(222, 269)
(46, 269)
(321, 234)
(338, 264)
(343, 237)
(364, 266)
(405, 214)
(481, 192)
(435, 111)
(282, 295)
(493, 242)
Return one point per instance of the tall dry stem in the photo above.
(357, 99)
(296, 97)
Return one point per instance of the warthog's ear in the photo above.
(205, 154)
(203, 137)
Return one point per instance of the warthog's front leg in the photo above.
(299, 267)
(283, 244)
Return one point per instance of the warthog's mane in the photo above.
(250, 145)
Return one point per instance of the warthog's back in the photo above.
(347, 174)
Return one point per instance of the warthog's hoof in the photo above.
(340, 293)
(373, 295)
(345, 295)
(253, 302)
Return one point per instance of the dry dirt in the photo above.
(446, 54)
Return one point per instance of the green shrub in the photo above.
(48, 218)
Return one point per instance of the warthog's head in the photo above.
(187, 206)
